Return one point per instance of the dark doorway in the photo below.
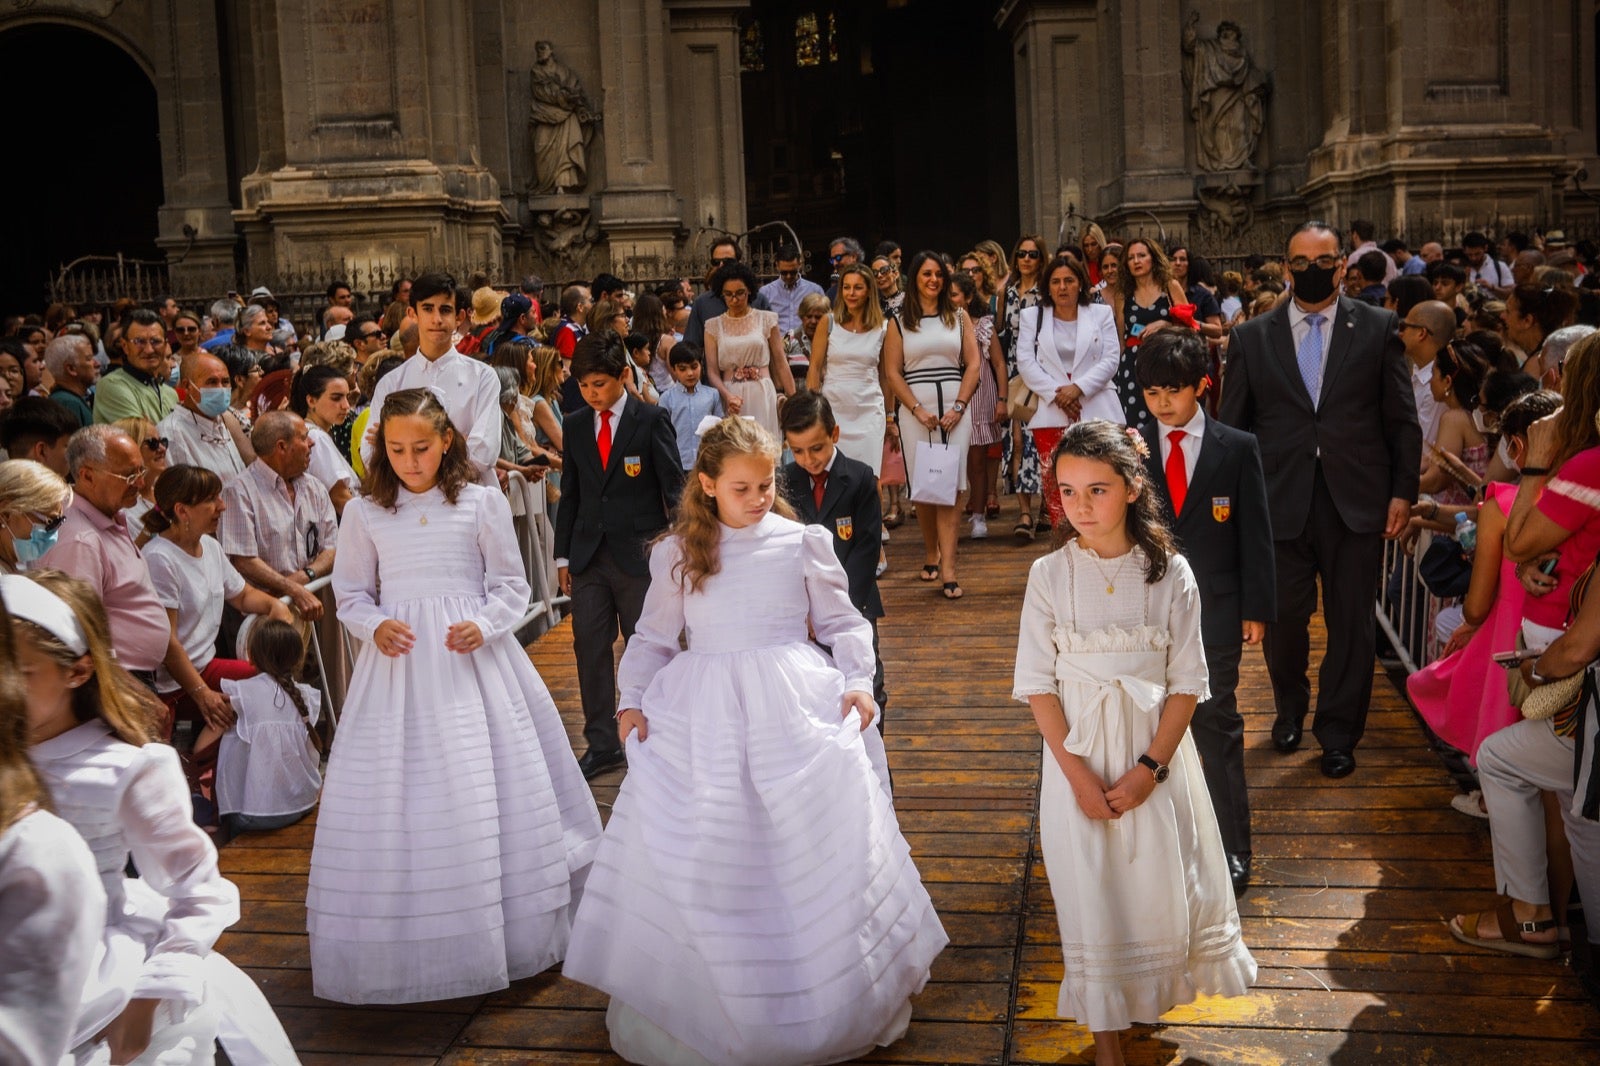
(882, 119)
(88, 181)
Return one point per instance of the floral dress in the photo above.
(1022, 475)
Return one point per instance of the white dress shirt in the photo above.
(195, 440)
(1429, 410)
(1194, 432)
(471, 397)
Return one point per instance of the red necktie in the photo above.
(603, 442)
(1177, 472)
(818, 484)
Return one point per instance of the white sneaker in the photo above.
(1469, 804)
(980, 528)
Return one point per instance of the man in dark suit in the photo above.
(828, 488)
(1214, 499)
(620, 479)
(1323, 383)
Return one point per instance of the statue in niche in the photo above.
(1227, 96)
(563, 121)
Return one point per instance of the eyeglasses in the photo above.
(976, 272)
(186, 329)
(788, 273)
(1323, 262)
(883, 272)
(143, 342)
(723, 261)
(155, 444)
(1030, 253)
(735, 294)
(127, 479)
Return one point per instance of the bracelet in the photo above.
(1535, 471)
(1433, 510)
(201, 687)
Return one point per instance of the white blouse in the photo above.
(52, 916)
(267, 765)
(196, 588)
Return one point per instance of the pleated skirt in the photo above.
(753, 900)
(455, 829)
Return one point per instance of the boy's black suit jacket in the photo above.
(627, 503)
(851, 512)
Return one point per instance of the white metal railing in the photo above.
(535, 541)
(1405, 609)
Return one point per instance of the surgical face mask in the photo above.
(213, 402)
(172, 378)
(33, 547)
(1314, 284)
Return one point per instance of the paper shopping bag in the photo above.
(936, 473)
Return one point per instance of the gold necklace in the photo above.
(1111, 582)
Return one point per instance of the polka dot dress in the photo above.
(1135, 320)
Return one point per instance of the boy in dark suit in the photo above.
(620, 480)
(830, 489)
(1214, 497)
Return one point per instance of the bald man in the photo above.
(195, 432)
(1430, 253)
(1427, 328)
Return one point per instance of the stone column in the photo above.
(706, 127)
(639, 211)
(380, 126)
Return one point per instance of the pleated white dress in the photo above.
(753, 900)
(455, 829)
(1144, 901)
(160, 927)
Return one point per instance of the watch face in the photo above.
(1161, 774)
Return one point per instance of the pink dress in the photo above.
(1463, 696)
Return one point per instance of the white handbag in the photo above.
(936, 473)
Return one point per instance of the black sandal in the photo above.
(1043, 524)
(1024, 527)
(952, 591)
(930, 572)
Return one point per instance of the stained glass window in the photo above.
(807, 41)
(752, 48)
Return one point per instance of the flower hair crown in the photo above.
(1136, 439)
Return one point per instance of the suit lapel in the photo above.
(585, 447)
(1153, 468)
(1282, 336)
(1338, 343)
(1206, 467)
(837, 485)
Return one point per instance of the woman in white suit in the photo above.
(1067, 354)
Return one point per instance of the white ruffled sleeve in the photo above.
(505, 583)
(355, 574)
(834, 618)
(1035, 672)
(654, 643)
(52, 917)
(176, 859)
(1186, 656)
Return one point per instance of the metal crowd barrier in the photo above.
(535, 540)
(1406, 610)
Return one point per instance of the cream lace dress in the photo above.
(744, 359)
(1144, 901)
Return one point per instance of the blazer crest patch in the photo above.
(1221, 508)
(631, 465)
(845, 527)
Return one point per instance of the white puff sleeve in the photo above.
(834, 618)
(654, 643)
(505, 582)
(355, 573)
(1186, 655)
(1035, 671)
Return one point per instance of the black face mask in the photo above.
(1314, 284)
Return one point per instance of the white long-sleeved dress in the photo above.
(160, 926)
(753, 900)
(455, 828)
(1144, 901)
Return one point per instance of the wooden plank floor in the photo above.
(1353, 883)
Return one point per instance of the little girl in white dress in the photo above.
(1110, 661)
(269, 765)
(753, 900)
(455, 829)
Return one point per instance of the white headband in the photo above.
(32, 602)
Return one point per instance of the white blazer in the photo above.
(1094, 364)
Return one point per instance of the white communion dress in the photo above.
(753, 900)
(455, 828)
(1144, 901)
(160, 926)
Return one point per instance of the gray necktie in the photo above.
(1310, 357)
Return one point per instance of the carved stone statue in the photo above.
(563, 120)
(1227, 96)
(564, 238)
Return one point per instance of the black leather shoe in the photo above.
(1337, 762)
(595, 763)
(1239, 872)
(1286, 736)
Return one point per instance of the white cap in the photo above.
(335, 333)
(262, 290)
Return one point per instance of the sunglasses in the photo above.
(186, 329)
(376, 334)
(724, 261)
(49, 525)
(155, 444)
(883, 272)
(1030, 253)
(788, 273)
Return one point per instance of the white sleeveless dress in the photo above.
(932, 368)
(455, 828)
(753, 900)
(1144, 901)
(850, 384)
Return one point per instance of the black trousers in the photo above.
(1348, 565)
(605, 600)
(1218, 731)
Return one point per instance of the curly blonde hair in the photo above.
(697, 527)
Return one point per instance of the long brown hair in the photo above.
(21, 788)
(911, 308)
(278, 651)
(382, 484)
(696, 524)
(114, 697)
(1109, 443)
(871, 308)
(1580, 401)
(1160, 270)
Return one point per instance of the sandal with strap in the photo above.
(930, 572)
(952, 591)
(893, 518)
(1024, 527)
(992, 508)
(1464, 927)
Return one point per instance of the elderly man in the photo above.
(224, 313)
(279, 528)
(1427, 328)
(1430, 253)
(93, 546)
(195, 432)
(70, 360)
(135, 389)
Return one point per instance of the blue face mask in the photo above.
(172, 378)
(213, 402)
(33, 548)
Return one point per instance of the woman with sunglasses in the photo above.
(1018, 459)
(33, 502)
(886, 276)
(153, 450)
(186, 336)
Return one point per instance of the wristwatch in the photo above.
(958, 407)
(1161, 770)
(311, 575)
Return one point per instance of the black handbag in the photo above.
(1444, 570)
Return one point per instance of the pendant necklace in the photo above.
(1111, 582)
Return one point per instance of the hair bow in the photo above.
(1183, 313)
